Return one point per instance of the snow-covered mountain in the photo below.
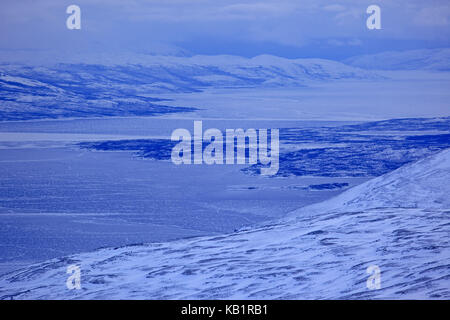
(399, 222)
(121, 86)
(424, 59)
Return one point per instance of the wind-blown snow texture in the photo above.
(398, 221)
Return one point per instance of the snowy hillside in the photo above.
(399, 222)
(422, 184)
(425, 59)
(112, 86)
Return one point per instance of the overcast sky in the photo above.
(289, 28)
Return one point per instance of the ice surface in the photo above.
(56, 201)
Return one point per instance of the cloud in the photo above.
(344, 42)
(229, 25)
(349, 14)
(433, 16)
(334, 7)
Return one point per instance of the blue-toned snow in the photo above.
(398, 222)
(99, 176)
(60, 197)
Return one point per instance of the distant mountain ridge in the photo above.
(103, 87)
(423, 59)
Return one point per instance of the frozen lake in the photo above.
(58, 199)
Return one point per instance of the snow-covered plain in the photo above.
(398, 221)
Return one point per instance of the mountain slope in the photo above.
(421, 184)
(319, 255)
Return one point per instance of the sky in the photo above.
(288, 28)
